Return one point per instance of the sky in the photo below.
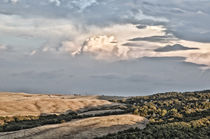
(105, 47)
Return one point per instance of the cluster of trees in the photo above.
(24, 122)
(177, 130)
(171, 115)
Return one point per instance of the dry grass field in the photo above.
(22, 104)
(87, 128)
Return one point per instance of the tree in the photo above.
(163, 112)
(136, 112)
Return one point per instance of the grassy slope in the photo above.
(22, 104)
(83, 128)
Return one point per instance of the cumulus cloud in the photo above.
(108, 44)
(152, 41)
(103, 47)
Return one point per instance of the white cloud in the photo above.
(37, 27)
(14, 1)
(103, 47)
(32, 52)
(198, 56)
(3, 47)
(107, 43)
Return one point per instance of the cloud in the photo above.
(185, 19)
(173, 58)
(107, 76)
(163, 39)
(106, 43)
(103, 47)
(3, 47)
(141, 26)
(83, 4)
(14, 1)
(133, 44)
(33, 53)
(175, 47)
(81, 11)
(57, 2)
(202, 58)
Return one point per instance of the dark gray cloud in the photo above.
(132, 44)
(185, 19)
(163, 39)
(176, 47)
(141, 26)
(165, 58)
(107, 76)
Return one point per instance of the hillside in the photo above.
(62, 116)
(22, 104)
(162, 115)
(171, 115)
(85, 128)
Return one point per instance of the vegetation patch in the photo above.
(171, 115)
